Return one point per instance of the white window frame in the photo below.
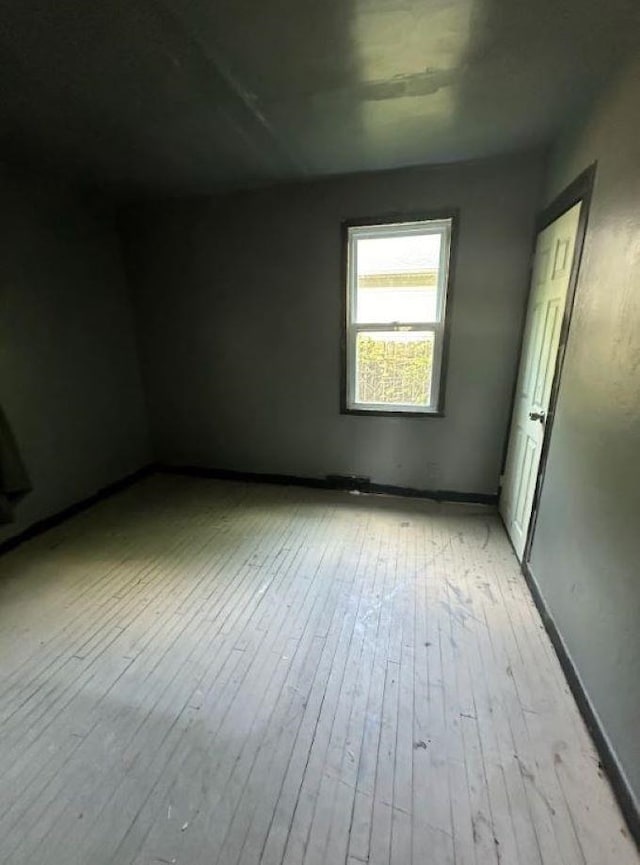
(442, 226)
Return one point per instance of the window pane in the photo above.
(397, 278)
(394, 368)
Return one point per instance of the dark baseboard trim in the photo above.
(332, 482)
(608, 760)
(47, 523)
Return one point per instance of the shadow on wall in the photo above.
(580, 51)
(14, 480)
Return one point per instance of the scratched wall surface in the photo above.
(587, 544)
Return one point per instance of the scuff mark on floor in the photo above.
(485, 543)
(530, 776)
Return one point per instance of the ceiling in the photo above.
(183, 96)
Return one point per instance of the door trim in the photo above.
(579, 190)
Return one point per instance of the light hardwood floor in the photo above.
(206, 672)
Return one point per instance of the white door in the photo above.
(549, 285)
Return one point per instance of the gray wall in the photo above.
(238, 302)
(586, 554)
(69, 374)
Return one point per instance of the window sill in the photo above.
(390, 412)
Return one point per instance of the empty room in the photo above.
(320, 432)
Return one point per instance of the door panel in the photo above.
(549, 286)
(547, 356)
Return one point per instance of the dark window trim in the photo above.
(452, 213)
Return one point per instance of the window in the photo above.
(397, 280)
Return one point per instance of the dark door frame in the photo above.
(579, 190)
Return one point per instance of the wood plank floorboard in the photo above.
(202, 672)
